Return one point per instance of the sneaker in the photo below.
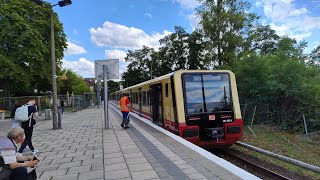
(26, 149)
(126, 127)
(122, 125)
(35, 151)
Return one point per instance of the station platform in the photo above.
(83, 149)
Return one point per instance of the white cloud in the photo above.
(73, 49)
(301, 36)
(189, 4)
(288, 19)
(114, 35)
(148, 14)
(298, 12)
(194, 21)
(116, 54)
(82, 67)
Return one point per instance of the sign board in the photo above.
(112, 65)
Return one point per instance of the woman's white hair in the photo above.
(15, 132)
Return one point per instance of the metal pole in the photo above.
(105, 81)
(305, 125)
(151, 71)
(98, 93)
(54, 76)
(254, 112)
(39, 106)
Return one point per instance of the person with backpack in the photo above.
(30, 113)
(13, 166)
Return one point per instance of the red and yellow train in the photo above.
(201, 106)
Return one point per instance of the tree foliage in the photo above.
(226, 23)
(25, 46)
(74, 84)
(314, 57)
(283, 81)
(262, 40)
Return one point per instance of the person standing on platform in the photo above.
(28, 126)
(62, 106)
(124, 105)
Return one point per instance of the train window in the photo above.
(167, 90)
(207, 92)
(149, 98)
(137, 98)
(144, 97)
(134, 98)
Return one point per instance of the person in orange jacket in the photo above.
(124, 105)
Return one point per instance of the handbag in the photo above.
(5, 171)
(32, 175)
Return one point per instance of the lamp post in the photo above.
(53, 59)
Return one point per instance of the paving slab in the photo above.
(83, 149)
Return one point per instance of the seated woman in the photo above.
(14, 165)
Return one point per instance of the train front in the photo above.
(212, 112)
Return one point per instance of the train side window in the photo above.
(167, 89)
(144, 97)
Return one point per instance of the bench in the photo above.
(3, 113)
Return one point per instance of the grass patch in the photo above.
(286, 144)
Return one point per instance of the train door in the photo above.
(157, 115)
(167, 104)
(140, 101)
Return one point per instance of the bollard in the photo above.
(59, 119)
(47, 114)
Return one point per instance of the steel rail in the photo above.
(280, 157)
(258, 169)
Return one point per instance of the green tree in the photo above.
(263, 40)
(226, 24)
(177, 48)
(198, 58)
(140, 67)
(74, 83)
(283, 81)
(25, 46)
(113, 86)
(315, 56)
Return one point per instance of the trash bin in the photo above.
(47, 114)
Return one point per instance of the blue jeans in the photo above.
(125, 118)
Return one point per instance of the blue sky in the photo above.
(107, 29)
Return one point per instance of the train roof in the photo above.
(171, 74)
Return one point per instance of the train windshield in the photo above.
(207, 92)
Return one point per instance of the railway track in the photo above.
(255, 168)
(250, 166)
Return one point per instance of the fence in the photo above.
(255, 113)
(259, 114)
(71, 102)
